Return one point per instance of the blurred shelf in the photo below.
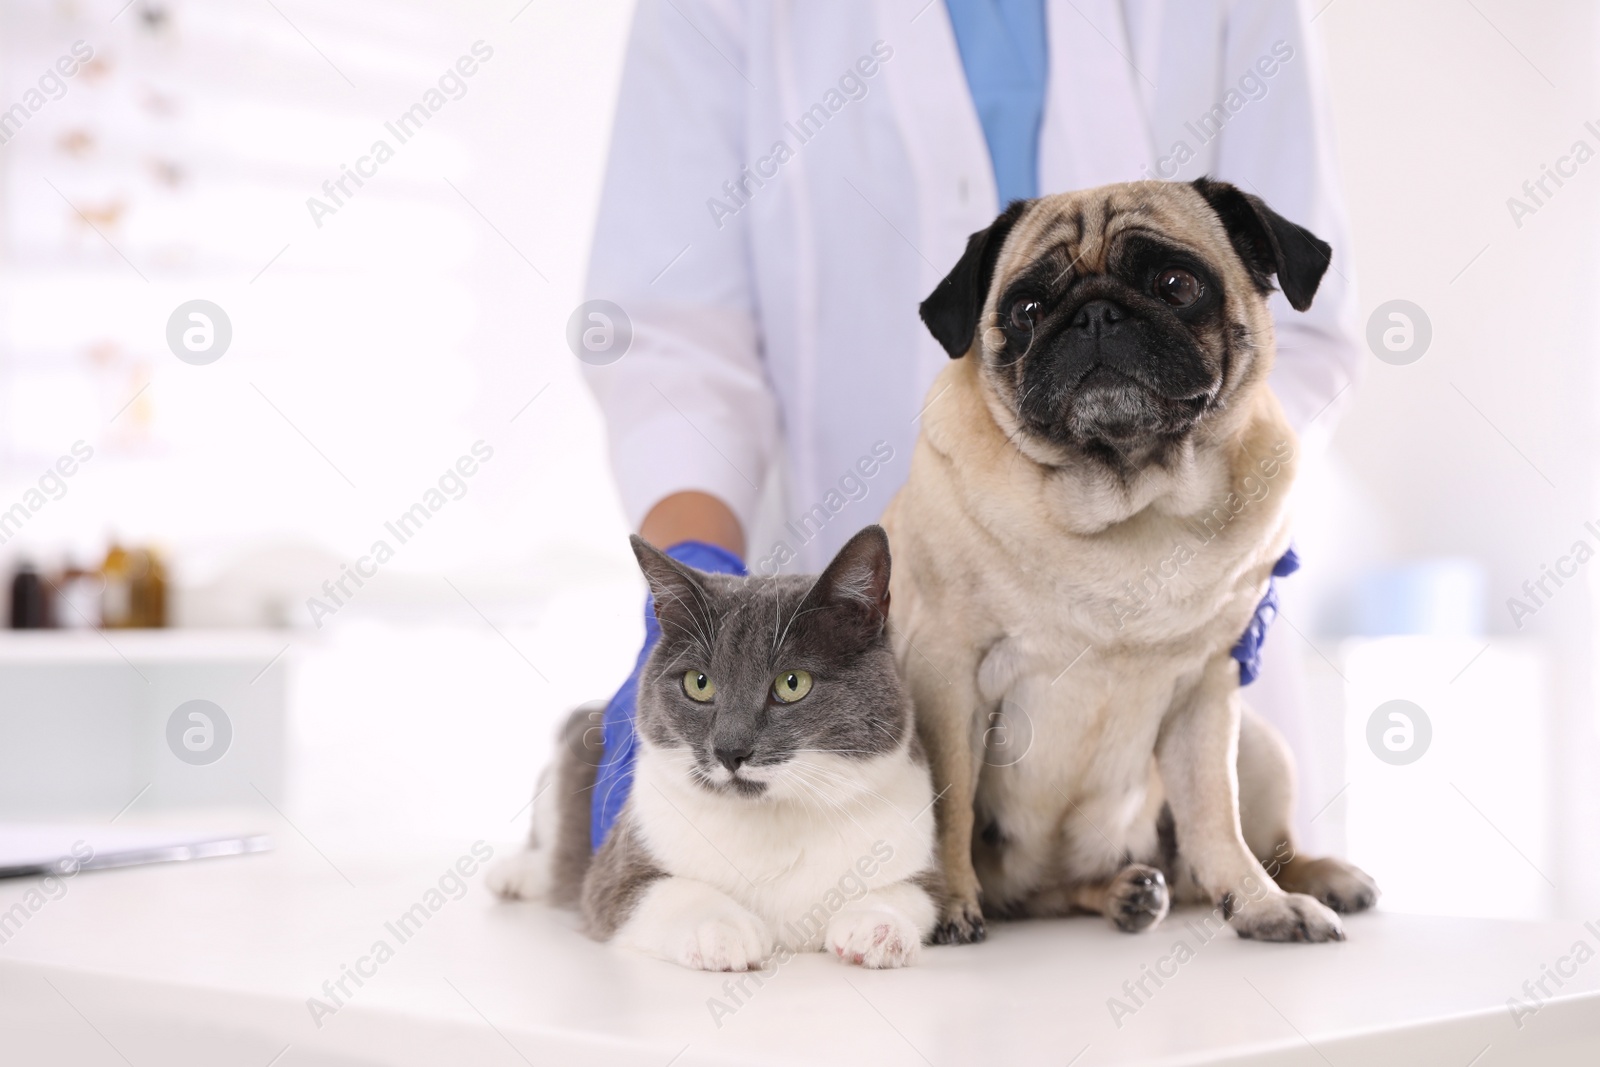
(25, 647)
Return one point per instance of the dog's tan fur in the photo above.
(1010, 599)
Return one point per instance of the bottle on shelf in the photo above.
(30, 599)
(149, 593)
(116, 596)
(78, 605)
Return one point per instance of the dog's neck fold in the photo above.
(1086, 496)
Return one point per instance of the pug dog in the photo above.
(1095, 504)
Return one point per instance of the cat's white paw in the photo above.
(694, 925)
(522, 876)
(734, 943)
(874, 938)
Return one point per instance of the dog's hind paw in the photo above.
(1342, 886)
(1137, 898)
(962, 924)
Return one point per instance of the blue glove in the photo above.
(1248, 650)
(614, 777)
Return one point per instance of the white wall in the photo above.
(1444, 109)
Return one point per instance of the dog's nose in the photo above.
(732, 756)
(1099, 316)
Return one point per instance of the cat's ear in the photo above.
(675, 590)
(855, 586)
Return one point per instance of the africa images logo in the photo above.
(199, 732)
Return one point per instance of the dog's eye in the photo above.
(698, 686)
(791, 686)
(1178, 287)
(1025, 315)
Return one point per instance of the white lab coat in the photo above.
(777, 360)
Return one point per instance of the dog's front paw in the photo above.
(877, 938)
(1342, 886)
(523, 876)
(961, 924)
(1283, 917)
(1137, 898)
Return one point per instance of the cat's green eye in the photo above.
(791, 686)
(698, 686)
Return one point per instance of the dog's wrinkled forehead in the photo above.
(1237, 238)
(1234, 234)
(1077, 233)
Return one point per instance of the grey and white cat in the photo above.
(781, 802)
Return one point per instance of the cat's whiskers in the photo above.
(675, 660)
(839, 785)
(786, 777)
(682, 761)
(797, 614)
(783, 776)
(822, 794)
(697, 640)
(706, 615)
(827, 783)
(876, 725)
(807, 790)
(700, 614)
(854, 784)
(777, 613)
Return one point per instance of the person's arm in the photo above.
(1280, 147)
(693, 516)
(691, 419)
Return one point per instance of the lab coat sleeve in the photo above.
(689, 406)
(1280, 146)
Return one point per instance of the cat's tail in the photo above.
(552, 867)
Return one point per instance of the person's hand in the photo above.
(1248, 650)
(614, 777)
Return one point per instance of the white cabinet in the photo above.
(86, 720)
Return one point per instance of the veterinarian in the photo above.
(787, 182)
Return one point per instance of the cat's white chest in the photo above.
(799, 857)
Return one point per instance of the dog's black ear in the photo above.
(952, 310)
(1269, 243)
